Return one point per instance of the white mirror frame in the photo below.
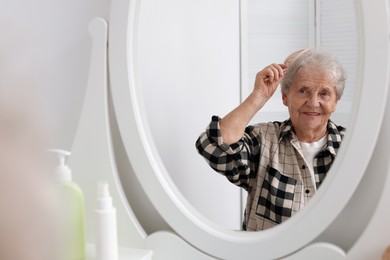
(349, 167)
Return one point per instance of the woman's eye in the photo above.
(324, 94)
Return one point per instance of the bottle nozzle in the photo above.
(104, 199)
(103, 191)
(63, 172)
(61, 155)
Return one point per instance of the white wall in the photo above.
(45, 46)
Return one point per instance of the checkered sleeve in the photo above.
(238, 162)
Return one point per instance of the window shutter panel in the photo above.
(338, 34)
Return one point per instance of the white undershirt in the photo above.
(310, 150)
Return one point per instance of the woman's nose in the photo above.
(313, 100)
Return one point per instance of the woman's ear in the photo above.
(285, 99)
(334, 107)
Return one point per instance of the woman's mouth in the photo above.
(311, 113)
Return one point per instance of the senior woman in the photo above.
(280, 164)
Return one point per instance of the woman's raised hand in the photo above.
(268, 79)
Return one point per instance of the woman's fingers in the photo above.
(267, 80)
(274, 72)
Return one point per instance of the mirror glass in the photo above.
(199, 58)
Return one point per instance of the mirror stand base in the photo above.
(123, 253)
(168, 245)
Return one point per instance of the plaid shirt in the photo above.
(268, 163)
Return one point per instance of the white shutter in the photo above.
(337, 32)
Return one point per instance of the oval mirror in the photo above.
(189, 223)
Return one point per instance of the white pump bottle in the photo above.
(106, 227)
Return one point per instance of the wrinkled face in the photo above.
(311, 101)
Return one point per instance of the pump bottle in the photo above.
(71, 211)
(106, 226)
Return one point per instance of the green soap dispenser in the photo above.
(71, 211)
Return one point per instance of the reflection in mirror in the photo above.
(194, 65)
(280, 164)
